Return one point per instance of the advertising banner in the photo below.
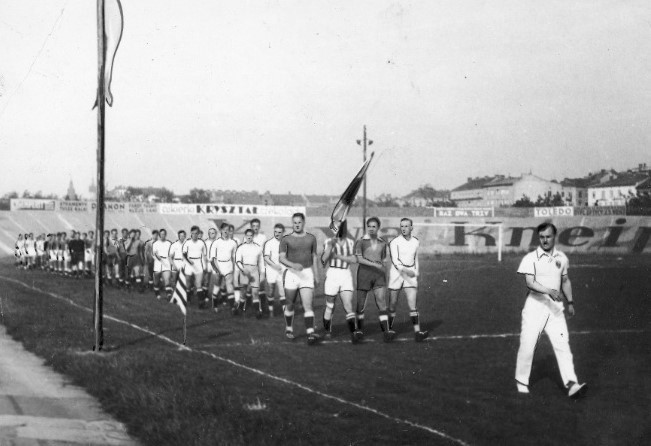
(243, 209)
(599, 210)
(464, 212)
(143, 208)
(177, 208)
(32, 204)
(74, 206)
(558, 211)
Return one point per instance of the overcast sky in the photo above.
(272, 95)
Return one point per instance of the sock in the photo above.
(289, 320)
(308, 317)
(263, 296)
(282, 302)
(360, 320)
(231, 300)
(157, 290)
(204, 291)
(327, 316)
(392, 317)
(270, 304)
(350, 319)
(256, 304)
(414, 320)
(384, 321)
(169, 290)
(238, 296)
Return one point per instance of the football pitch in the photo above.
(239, 381)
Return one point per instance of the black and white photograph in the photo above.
(360, 222)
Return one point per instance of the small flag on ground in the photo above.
(180, 296)
(348, 197)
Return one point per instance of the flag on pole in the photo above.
(180, 296)
(113, 27)
(348, 197)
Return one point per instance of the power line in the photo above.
(38, 55)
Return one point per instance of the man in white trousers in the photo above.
(545, 271)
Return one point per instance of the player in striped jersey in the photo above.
(404, 275)
(222, 259)
(248, 259)
(274, 269)
(338, 255)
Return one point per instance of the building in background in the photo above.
(616, 191)
(471, 193)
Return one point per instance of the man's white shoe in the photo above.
(576, 390)
(522, 388)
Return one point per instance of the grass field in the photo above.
(241, 383)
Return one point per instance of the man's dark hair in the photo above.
(299, 214)
(162, 230)
(223, 226)
(375, 219)
(181, 232)
(255, 220)
(411, 222)
(194, 228)
(280, 226)
(248, 231)
(542, 226)
(155, 231)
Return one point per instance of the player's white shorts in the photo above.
(66, 255)
(274, 276)
(53, 255)
(197, 267)
(162, 265)
(398, 281)
(88, 255)
(338, 280)
(255, 279)
(178, 264)
(294, 280)
(59, 254)
(225, 267)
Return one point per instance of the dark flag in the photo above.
(113, 28)
(348, 197)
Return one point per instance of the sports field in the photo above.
(240, 382)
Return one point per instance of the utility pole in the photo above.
(99, 217)
(364, 142)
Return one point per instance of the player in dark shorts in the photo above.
(77, 248)
(298, 253)
(122, 255)
(371, 251)
(149, 258)
(134, 260)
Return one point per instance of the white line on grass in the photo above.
(250, 369)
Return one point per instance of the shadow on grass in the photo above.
(546, 368)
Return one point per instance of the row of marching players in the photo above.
(259, 275)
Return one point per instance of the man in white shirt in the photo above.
(222, 259)
(248, 259)
(404, 275)
(547, 280)
(162, 266)
(194, 253)
(176, 256)
(274, 270)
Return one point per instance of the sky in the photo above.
(273, 95)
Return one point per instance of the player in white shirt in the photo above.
(195, 254)
(208, 276)
(222, 259)
(176, 256)
(260, 239)
(19, 249)
(546, 276)
(338, 254)
(162, 264)
(248, 259)
(403, 274)
(274, 270)
(30, 251)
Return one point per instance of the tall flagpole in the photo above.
(364, 142)
(99, 211)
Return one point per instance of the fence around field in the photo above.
(583, 234)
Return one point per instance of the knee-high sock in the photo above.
(415, 319)
(384, 321)
(327, 316)
(392, 317)
(289, 320)
(308, 317)
(351, 320)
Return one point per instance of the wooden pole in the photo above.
(185, 329)
(99, 211)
